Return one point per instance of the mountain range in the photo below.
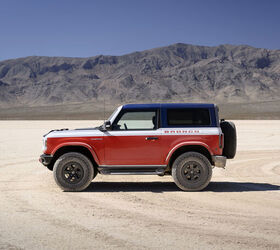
(227, 74)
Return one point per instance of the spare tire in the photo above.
(229, 132)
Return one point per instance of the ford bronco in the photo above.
(180, 139)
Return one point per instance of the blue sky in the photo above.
(114, 27)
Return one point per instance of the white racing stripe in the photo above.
(161, 131)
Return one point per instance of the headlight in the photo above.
(44, 144)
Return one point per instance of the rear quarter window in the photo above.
(188, 117)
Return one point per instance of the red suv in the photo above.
(183, 140)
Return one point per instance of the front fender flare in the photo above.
(81, 144)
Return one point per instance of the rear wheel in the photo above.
(73, 172)
(191, 171)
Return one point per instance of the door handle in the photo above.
(151, 138)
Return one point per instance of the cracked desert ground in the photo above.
(240, 209)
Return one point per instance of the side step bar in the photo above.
(132, 170)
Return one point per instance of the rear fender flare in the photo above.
(190, 143)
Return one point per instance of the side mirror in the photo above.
(107, 125)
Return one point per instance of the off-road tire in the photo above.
(191, 171)
(230, 138)
(82, 177)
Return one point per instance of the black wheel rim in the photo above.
(72, 172)
(192, 171)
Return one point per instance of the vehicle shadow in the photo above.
(161, 187)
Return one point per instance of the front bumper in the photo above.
(45, 159)
(219, 161)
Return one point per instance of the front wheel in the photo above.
(191, 171)
(73, 172)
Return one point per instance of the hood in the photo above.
(74, 133)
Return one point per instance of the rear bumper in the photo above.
(45, 159)
(219, 161)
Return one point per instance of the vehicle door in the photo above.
(134, 139)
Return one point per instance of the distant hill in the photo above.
(176, 73)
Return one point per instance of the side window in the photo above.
(188, 117)
(134, 120)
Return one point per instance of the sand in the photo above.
(239, 209)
